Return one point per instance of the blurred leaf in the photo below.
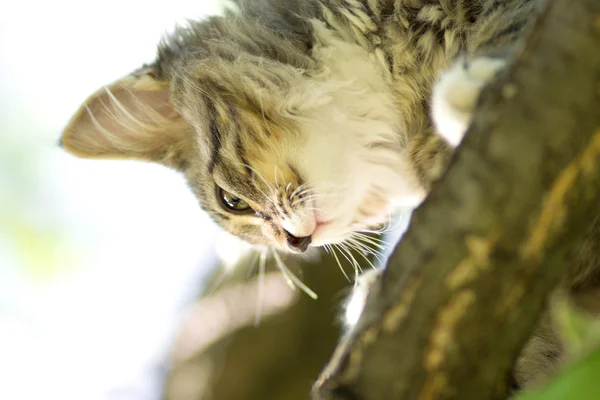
(41, 250)
(579, 331)
(578, 382)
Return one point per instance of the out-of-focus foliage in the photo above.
(580, 331)
(579, 379)
(31, 233)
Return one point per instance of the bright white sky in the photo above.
(134, 232)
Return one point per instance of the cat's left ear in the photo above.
(131, 118)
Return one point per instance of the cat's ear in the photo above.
(131, 118)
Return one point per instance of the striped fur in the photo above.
(327, 99)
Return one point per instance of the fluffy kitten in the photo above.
(301, 122)
(298, 123)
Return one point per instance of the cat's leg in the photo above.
(455, 95)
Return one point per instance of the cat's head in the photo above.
(278, 154)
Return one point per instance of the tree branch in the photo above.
(464, 288)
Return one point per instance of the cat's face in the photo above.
(276, 156)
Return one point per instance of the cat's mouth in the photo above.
(301, 244)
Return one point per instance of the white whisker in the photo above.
(303, 200)
(337, 260)
(389, 228)
(252, 263)
(298, 189)
(215, 285)
(366, 246)
(269, 187)
(379, 243)
(311, 197)
(267, 184)
(292, 279)
(261, 285)
(270, 200)
(362, 249)
(350, 257)
(312, 208)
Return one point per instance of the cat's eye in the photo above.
(233, 203)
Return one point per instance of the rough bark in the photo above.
(464, 288)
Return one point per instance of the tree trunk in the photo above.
(464, 288)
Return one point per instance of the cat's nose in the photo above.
(298, 243)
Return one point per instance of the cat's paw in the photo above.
(455, 95)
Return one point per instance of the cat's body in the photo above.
(301, 122)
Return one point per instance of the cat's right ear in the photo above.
(131, 118)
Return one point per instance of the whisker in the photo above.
(337, 260)
(366, 246)
(350, 257)
(310, 197)
(389, 228)
(252, 263)
(388, 224)
(291, 278)
(304, 200)
(345, 255)
(261, 285)
(361, 249)
(379, 243)
(305, 188)
(298, 189)
(375, 231)
(271, 189)
(376, 239)
(267, 184)
(215, 285)
(270, 200)
(304, 191)
(366, 250)
(312, 208)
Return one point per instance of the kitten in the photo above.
(298, 123)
